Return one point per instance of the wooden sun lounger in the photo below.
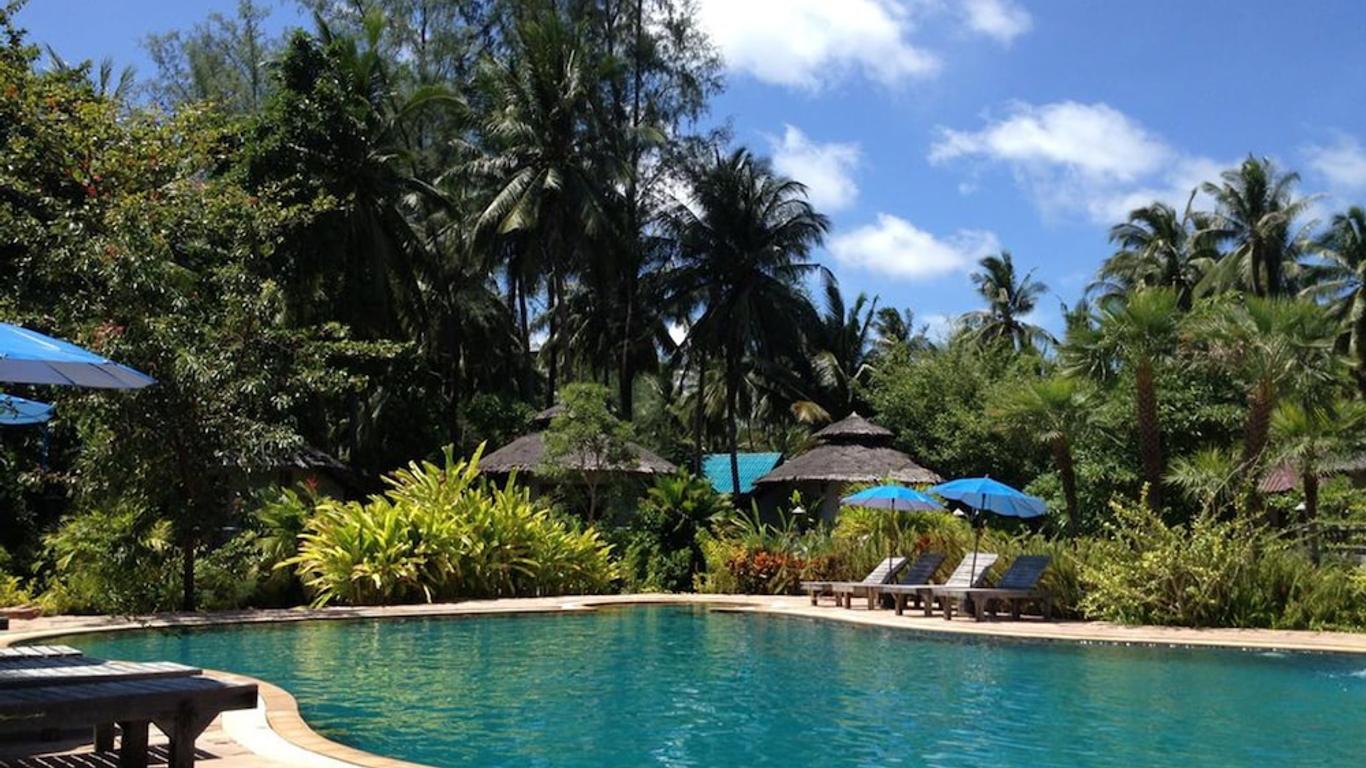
(883, 573)
(64, 670)
(36, 651)
(1018, 585)
(963, 576)
(919, 572)
(181, 707)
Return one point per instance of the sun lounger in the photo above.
(919, 572)
(965, 575)
(883, 573)
(1018, 585)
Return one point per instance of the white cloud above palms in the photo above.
(1074, 158)
(827, 170)
(897, 248)
(1001, 20)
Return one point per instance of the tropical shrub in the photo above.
(662, 551)
(115, 560)
(1214, 572)
(440, 532)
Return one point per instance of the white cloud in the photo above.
(825, 169)
(1088, 159)
(1094, 140)
(810, 43)
(1342, 163)
(1001, 20)
(896, 247)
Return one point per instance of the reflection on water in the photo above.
(685, 687)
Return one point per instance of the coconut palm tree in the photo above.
(1256, 216)
(745, 242)
(547, 180)
(1275, 346)
(839, 345)
(1139, 332)
(1312, 437)
(1340, 280)
(1052, 412)
(1009, 302)
(895, 328)
(1157, 247)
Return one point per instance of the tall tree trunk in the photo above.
(1067, 472)
(1310, 480)
(528, 376)
(1149, 432)
(732, 405)
(553, 365)
(187, 596)
(699, 412)
(1359, 336)
(1260, 403)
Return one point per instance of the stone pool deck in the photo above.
(274, 735)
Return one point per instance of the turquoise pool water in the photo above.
(673, 686)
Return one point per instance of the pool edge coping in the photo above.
(282, 714)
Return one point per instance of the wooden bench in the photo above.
(181, 707)
(50, 687)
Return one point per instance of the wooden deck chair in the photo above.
(883, 573)
(964, 576)
(1018, 585)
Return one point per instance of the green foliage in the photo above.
(1213, 572)
(586, 440)
(936, 401)
(440, 533)
(110, 561)
(662, 552)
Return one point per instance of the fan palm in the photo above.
(1139, 332)
(1340, 280)
(1275, 346)
(1051, 412)
(1156, 247)
(1009, 302)
(1255, 215)
(745, 240)
(1312, 437)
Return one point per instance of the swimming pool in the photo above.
(685, 686)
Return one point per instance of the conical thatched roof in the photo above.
(852, 450)
(851, 464)
(854, 429)
(526, 454)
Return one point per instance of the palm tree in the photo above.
(1312, 437)
(547, 181)
(1139, 332)
(1255, 214)
(1051, 412)
(1009, 302)
(1157, 248)
(1340, 279)
(895, 328)
(1276, 346)
(744, 242)
(839, 348)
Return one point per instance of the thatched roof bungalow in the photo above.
(853, 450)
(526, 455)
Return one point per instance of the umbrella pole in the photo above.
(976, 540)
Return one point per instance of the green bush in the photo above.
(440, 532)
(1214, 573)
(116, 560)
(661, 550)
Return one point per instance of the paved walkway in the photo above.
(273, 734)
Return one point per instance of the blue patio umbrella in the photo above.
(893, 497)
(29, 357)
(16, 411)
(983, 494)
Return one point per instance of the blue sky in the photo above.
(934, 131)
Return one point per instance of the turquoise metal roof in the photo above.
(716, 466)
